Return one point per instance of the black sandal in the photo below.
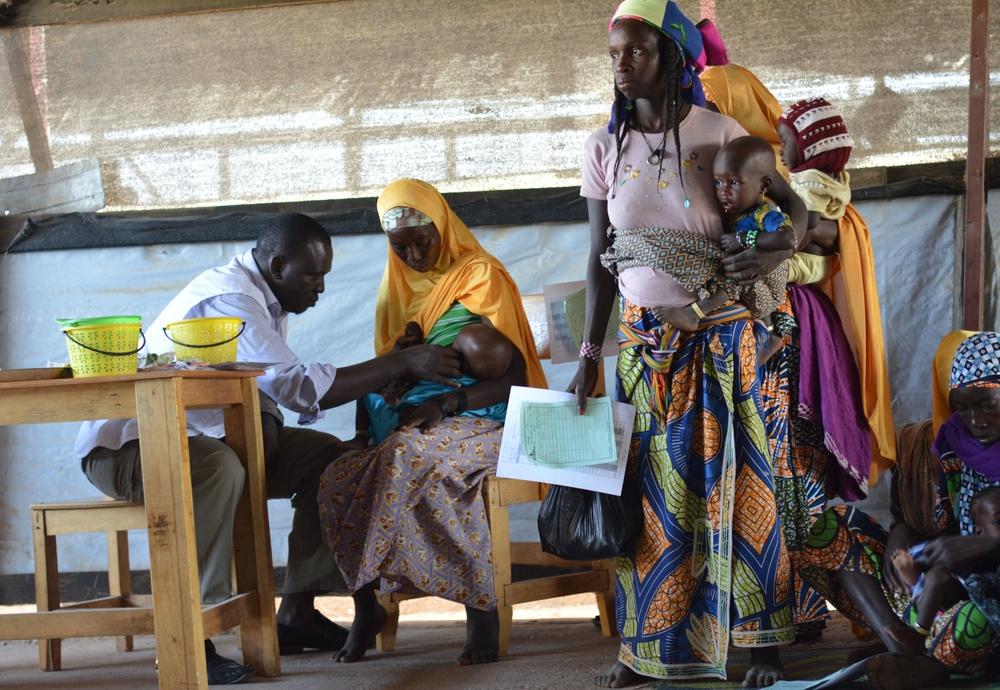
(320, 633)
(223, 671)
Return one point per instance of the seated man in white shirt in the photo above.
(283, 274)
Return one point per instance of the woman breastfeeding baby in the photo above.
(406, 512)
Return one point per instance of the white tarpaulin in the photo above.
(916, 259)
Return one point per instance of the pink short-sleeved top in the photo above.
(641, 201)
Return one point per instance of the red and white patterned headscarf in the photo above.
(821, 136)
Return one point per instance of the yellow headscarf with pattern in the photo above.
(464, 272)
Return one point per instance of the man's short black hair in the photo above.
(286, 233)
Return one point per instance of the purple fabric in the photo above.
(954, 435)
(829, 393)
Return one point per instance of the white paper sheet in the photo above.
(515, 464)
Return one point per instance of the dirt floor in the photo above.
(554, 645)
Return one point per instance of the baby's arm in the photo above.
(778, 234)
(776, 241)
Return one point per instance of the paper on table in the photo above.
(514, 463)
(554, 434)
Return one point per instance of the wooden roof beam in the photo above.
(975, 167)
(47, 12)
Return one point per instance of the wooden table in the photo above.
(159, 400)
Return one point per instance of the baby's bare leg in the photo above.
(940, 591)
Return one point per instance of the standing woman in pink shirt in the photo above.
(710, 565)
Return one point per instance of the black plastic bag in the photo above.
(582, 525)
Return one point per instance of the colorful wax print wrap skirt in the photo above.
(845, 539)
(710, 565)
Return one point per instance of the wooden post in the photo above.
(251, 534)
(975, 167)
(17, 45)
(173, 558)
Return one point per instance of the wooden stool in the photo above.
(597, 577)
(52, 519)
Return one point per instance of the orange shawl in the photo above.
(738, 93)
(463, 273)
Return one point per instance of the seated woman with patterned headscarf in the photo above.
(407, 514)
(867, 584)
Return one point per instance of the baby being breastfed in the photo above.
(485, 354)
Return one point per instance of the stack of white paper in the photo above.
(566, 469)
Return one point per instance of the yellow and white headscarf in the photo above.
(464, 272)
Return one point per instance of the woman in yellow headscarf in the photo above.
(808, 467)
(735, 91)
(407, 512)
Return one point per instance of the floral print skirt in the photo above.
(410, 512)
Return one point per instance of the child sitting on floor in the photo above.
(485, 354)
(815, 147)
(936, 589)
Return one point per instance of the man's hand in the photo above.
(751, 263)
(432, 363)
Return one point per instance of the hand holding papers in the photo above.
(556, 435)
(549, 427)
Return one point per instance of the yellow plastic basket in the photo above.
(105, 346)
(211, 339)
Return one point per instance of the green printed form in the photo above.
(554, 434)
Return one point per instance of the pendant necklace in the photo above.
(655, 155)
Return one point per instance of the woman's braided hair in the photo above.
(671, 62)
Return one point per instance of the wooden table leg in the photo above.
(166, 480)
(251, 538)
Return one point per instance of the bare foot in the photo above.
(482, 637)
(368, 622)
(901, 672)
(620, 676)
(765, 668)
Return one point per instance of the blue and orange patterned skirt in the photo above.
(710, 565)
